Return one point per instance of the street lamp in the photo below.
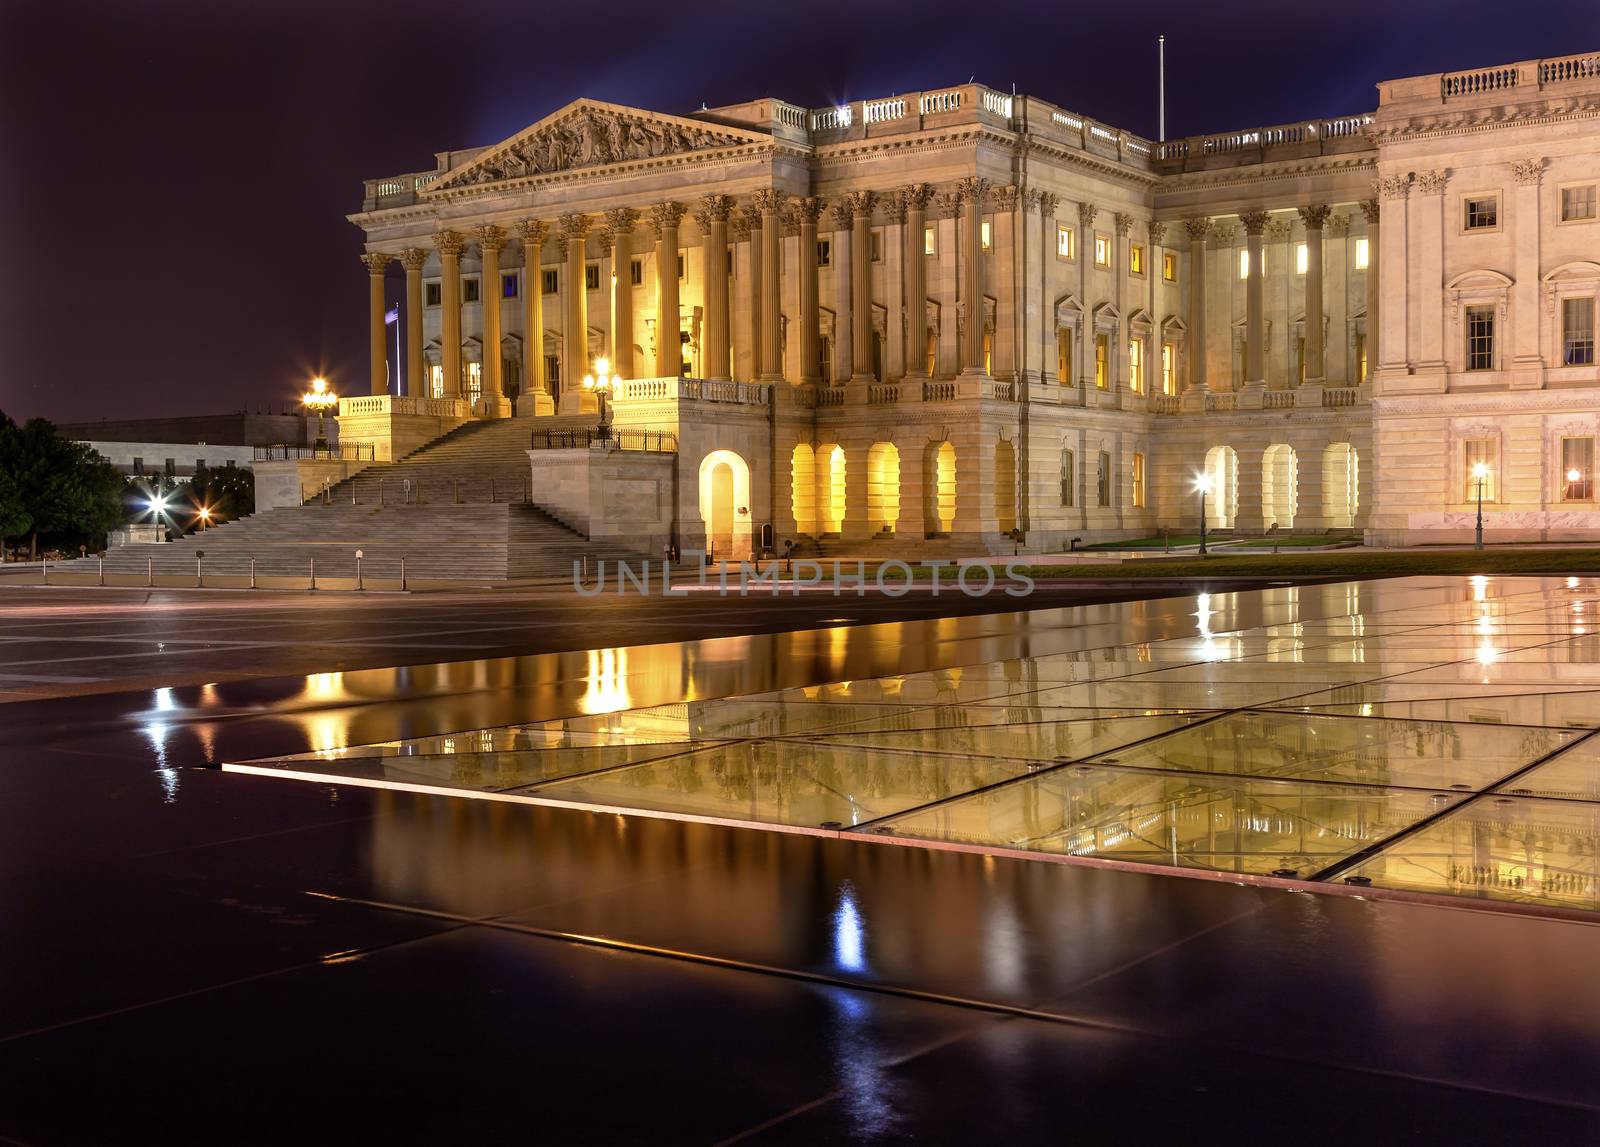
(1480, 472)
(204, 514)
(319, 398)
(1202, 484)
(602, 382)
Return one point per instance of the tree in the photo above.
(15, 520)
(229, 491)
(64, 487)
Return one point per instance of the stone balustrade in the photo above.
(692, 390)
(377, 404)
(1256, 145)
(396, 190)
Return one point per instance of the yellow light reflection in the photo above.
(606, 683)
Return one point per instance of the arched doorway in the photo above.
(1005, 486)
(1341, 485)
(1222, 503)
(724, 492)
(1280, 486)
(939, 488)
(883, 486)
(803, 488)
(830, 492)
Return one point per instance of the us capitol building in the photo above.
(944, 320)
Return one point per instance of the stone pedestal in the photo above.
(535, 405)
(580, 402)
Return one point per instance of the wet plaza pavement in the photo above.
(195, 954)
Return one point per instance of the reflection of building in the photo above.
(955, 313)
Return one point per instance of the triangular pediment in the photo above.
(591, 134)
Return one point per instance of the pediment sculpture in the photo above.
(587, 137)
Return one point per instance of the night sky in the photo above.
(176, 174)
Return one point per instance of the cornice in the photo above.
(1479, 120)
(721, 157)
(1577, 400)
(1258, 174)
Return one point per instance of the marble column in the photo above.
(619, 224)
(1086, 334)
(1527, 363)
(1198, 228)
(770, 203)
(575, 316)
(1255, 223)
(806, 212)
(916, 198)
(1121, 364)
(974, 191)
(490, 240)
(665, 217)
(843, 321)
(377, 335)
(1316, 361)
(860, 285)
(449, 244)
(749, 227)
(1427, 246)
(713, 219)
(1370, 284)
(413, 260)
(1336, 300)
(533, 233)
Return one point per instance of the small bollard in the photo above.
(149, 571)
(199, 556)
(491, 488)
(252, 572)
(402, 573)
(313, 573)
(102, 570)
(358, 571)
(46, 567)
(458, 491)
(352, 491)
(380, 491)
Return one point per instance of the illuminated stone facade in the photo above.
(935, 319)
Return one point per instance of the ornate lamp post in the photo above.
(1480, 471)
(602, 382)
(319, 398)
(1202, 485)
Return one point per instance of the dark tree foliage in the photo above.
(229, 491)
(55, 488)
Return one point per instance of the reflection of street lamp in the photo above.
(319, 398)
(602, 382)
(1480, 471)
(1202, 483)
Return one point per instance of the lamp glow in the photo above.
(1574, 475)
(319, 398)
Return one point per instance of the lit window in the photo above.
(551, 282)
(681, 267)
(1477, 452)
(469, 290)
(1577, 203)
(1136, 365)
(591, 276)
(1138, 481)
(1069, 477)
(1064, 356)
(1363, 247)
(1066, 248)
(824, 252)
(1102, 483)
(1136, 259)
(1102, 251)
(1480, 338)
(877, 246)
(1577, 469)
(431, 294)
(983, 235)
(1169, 368)
(930, 241)
(474, 381)
(1244, 263)
(636, 272)
(1302, 258)
(1102, 379)
(1481, 213)
(1577, 332)
(1361, 358)
(1169, 267)
(435, 380)
(508, 286)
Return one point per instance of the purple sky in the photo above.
(177, 172)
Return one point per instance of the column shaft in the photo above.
(1195, 338)
(378, 335)
(575, 324)
(861, 285)
(620, 223)
(807, 211)
(713, 219)
(669, 350)
(916, 275)
(533, 233)
(974, 191)
(1316, 362)
(449, 245)
(413, 259)
(770, 202)
(490, 238)
(1254, 298)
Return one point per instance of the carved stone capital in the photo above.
(1369, 208)
(449, 244)
(1315, 215)
(377, 262)
(413, 259)
(1030, 200)
(894, 208)
(1432, 182)
(575, 227)
(1158, 232)
(1124, 222)
(915, 197)
(860, 203)
(620, 221)
(948, 205)
(769, 200)
(1222, 232)
(713, 209)
(739, 227)
(1393, 186)
(489, 237)
(1198, 227)
(666, 216)
(1278, 230)
(973, 189)
(1086, 213)
(1048, 202)
(1005, 198)
(1338, 224)
(842, 215)
(1526, 171)
(1255, 222)
(533, 231)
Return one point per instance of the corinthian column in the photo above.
(713, 220)
(533, 232)
(377, 336)
(1198, 227)
(665, 217)
(806, 213)
(1316, 363)
(770, 203)
(1369, 288)
(1255, 223)
(449, 244)
(575, 318)
(861, 285)
(916, 199)
(973, 190)
(490, 240)
(619, 226)
(412, 259)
